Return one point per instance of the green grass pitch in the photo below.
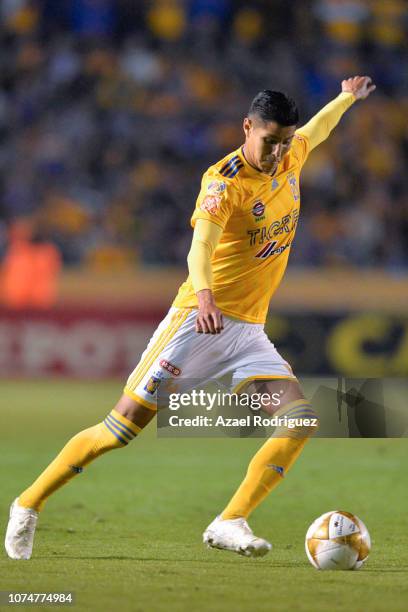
(126, 534)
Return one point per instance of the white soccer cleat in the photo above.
(20, 531)
(235, 535)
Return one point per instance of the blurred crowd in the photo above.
(111, 110)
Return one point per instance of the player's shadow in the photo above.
(135, 558)
(107, 558)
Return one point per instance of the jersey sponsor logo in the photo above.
(269, 249)
(166, 365)
(211, 204)
(216, 187)
(258, 208)
(293, 186)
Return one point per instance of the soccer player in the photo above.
(244, 224)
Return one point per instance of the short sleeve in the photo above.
(215, 201)
(301, 148)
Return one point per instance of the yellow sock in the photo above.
(115, 431)
(271, 462)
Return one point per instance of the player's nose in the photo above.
(277, 149)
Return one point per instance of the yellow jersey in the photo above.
(259, 215)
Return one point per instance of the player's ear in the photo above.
(247, 125)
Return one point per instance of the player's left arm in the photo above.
(320, 126)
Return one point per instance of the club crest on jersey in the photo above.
(153, 383)
(293, 186)
(269, 249)
(274, 185)
(211, 204)
(216, 187)
(258, 209)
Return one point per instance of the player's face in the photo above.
(266, 143)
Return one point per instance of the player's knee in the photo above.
(114, 432)
(135, 412)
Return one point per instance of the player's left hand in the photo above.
(359, 86)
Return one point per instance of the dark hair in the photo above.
(274, 106)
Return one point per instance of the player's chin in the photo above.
(267, 168)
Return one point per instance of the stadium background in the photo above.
(109, 113)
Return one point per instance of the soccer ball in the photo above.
(337, 540)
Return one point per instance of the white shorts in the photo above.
(176, 351)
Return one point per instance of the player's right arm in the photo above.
(214, 206)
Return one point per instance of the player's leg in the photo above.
(277, 455)
(167, 350)
(266, 470)
(119, 428)
(133, 412)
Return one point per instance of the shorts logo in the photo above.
(258, 209)
(211, 204)
(170, 367)
(216, 187)
(153, 383)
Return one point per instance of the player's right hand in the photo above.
(209, 318)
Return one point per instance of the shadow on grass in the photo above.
(386, 570)
(135, 558)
